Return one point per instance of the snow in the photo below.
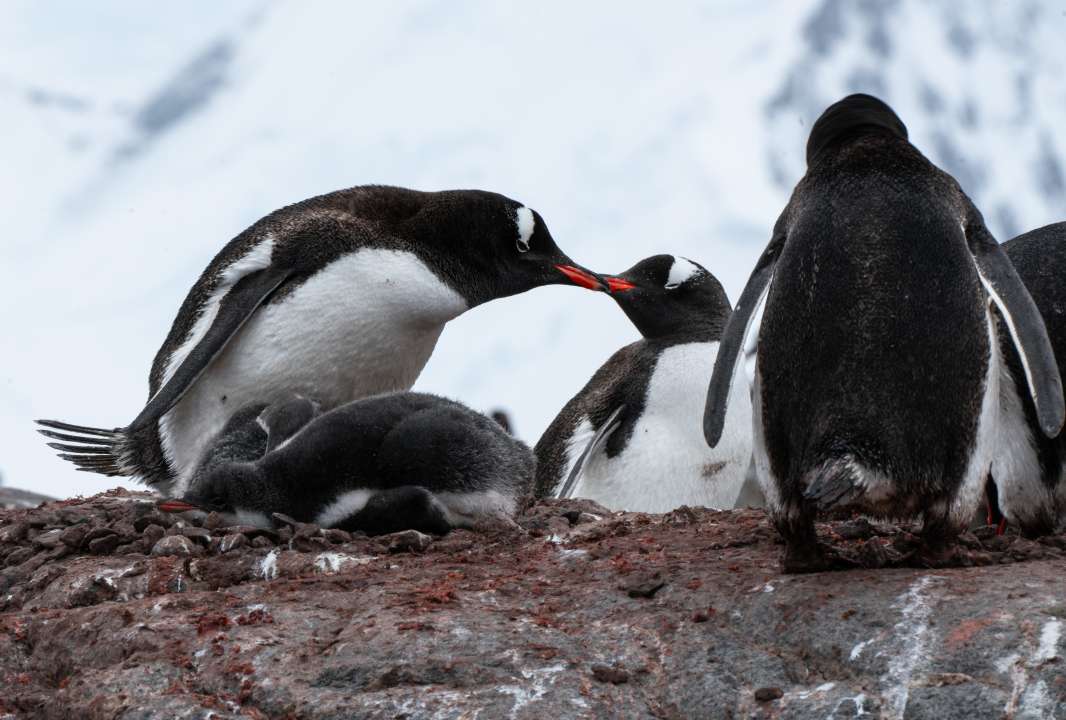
(138, 140)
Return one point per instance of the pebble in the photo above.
(409, 541)
(14, 532)
(262, 541)
(153, 533)
(199, 534)
(49, 539)
(609, 674)
(337, 536)
(305, 530)
(232, 541)
(766, 694)
(177, 545)
(104, 545)
(74, 535)
(644, 585)
(97, 532)
(152, 518)
(19, 556)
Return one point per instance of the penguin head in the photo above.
(854, 115)
(499, 247)
(670, 295)
(236, 491)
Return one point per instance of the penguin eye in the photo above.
(522, 244)
(672, 285)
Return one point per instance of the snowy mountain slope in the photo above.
(632, 130)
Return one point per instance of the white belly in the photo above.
(365, 324)
(667, 462)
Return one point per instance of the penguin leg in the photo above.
(408, 507)
(803, 552)
(938, 535)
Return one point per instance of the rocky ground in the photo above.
(111, 609)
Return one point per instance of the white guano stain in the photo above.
(857, 650)
(913, 633)
(1049, 641)
(329, 563)
(268, 566)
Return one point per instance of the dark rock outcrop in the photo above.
(573, 612)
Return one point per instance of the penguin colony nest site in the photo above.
(898, 362)
(111, 608)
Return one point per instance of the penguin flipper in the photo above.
(735, 333)
(612, 423)
(1023, 320)
(234, 310)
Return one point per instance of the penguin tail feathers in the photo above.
(92, 449)
(836, 482)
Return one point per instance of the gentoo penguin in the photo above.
(334, 298)
(631, 439)
(380, 464)
(1028, 467)
(877, 361)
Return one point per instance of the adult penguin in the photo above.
(333, 298)
(1028, 467)
(631, 439)
(877, 362)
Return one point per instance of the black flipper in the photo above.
(736, 329)
(1024, 322)
(284, 419)
(235, 309)
(612, 423)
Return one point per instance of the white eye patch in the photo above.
(680, 271)
(525, 222)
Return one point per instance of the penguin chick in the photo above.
(336, 298)
(378, 465)
(632, 438)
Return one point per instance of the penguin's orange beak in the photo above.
(175, 505)
(617, 284)
(581, 277)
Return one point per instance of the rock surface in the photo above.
(574, 612)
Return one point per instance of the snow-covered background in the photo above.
(136, 139)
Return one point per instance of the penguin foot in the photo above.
(805, 557)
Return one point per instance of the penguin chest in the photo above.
(666, 461)
(364, 324)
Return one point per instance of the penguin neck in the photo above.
(683, 329)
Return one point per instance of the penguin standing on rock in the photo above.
(378, 465)
(877, 361)
(1028, 467)
(631, 439)
(334, 298)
